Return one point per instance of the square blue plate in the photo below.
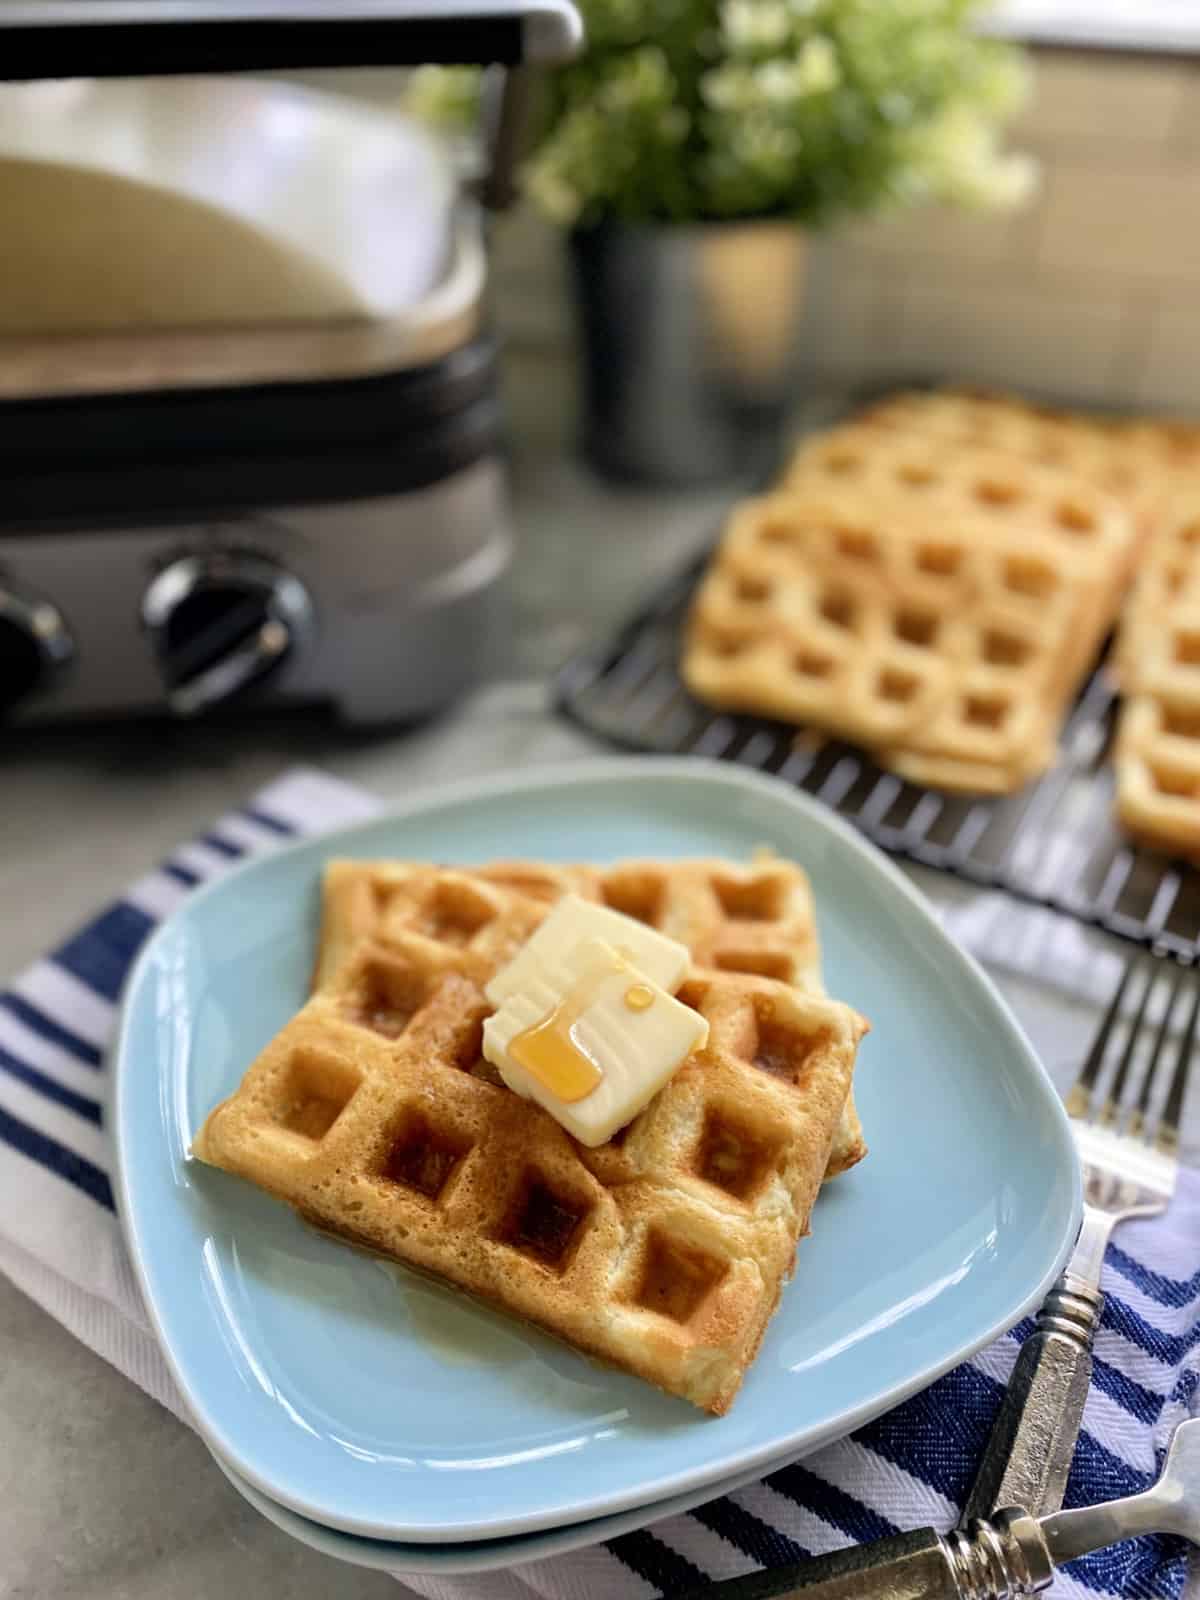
(324, 1377)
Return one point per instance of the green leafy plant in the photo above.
(693, 110)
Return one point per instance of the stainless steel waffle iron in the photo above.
(249, 434)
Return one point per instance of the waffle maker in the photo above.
(301, 510)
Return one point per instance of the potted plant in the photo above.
(689, 152)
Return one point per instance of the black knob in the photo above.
(34, 647)
(222, 623)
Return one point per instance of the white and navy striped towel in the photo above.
(59, 1241)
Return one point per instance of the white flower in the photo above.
(1008, 181)
(1005, 85)
(819, 71)
(778, 81)
(961, 161)
(754, 25)
(726, 108)
(729, 88)
(813, 71)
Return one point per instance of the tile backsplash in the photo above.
(1091, 292)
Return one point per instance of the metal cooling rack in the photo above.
(1054, 844)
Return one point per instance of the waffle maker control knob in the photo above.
(221, 623)
(34, 646)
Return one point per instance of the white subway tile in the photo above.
(938, 231)
(1059, 338)
(846, 322)
(1186, 127)
(1109, 99)
(1170, 371)
(1141, 222)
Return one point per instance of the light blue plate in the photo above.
(479, 1555)
(347, 1392)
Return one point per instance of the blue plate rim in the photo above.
(546, 778)
(473, 1556)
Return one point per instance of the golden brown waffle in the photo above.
(663, 1252)
(1158, 662)
(1046, 433)
(935, 603)
(1137, 460)
(996, 420)
(930, 481)
(733, 919)
(1152, 466)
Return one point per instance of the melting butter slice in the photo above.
(661, 960)
(586, 1044)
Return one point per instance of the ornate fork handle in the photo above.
(1029, 1452)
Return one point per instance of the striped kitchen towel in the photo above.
(59, 1241)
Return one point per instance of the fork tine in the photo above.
(1080, 1098)
(1112, 1103)
(1168, 1128)
(1137, 1119)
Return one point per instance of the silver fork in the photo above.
(1129, 1154)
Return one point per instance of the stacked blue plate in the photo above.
(388, 1421)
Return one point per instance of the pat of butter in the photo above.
(663, 961)
(592, 1041)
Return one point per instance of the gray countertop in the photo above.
(103, 1495)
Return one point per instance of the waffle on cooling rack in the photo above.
(1137, 460)
(1158, 663)
(1152, 465)
(933, 601)
(664, 1251)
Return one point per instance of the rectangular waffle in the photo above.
(1022, 506)
(664, 1251)
(1158, 664)
(936, 602)
(1152, 466)
(1138, 461)
(759, 921)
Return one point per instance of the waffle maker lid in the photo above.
(240, 144)
(135, 38)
